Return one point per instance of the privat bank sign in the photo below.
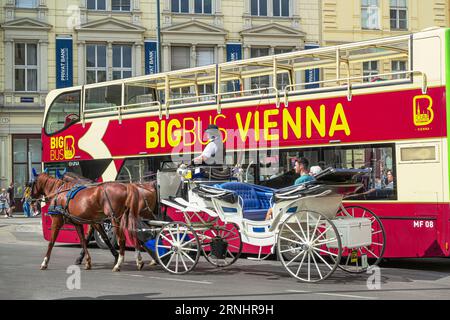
(64, 54)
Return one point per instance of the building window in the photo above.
(120, 5)
(26, 3)
(203, 6)
(26, 153)
(399, 15)
(370, 12)
(96, 5)
(205, 56)
(95, 63)
(122, 62)
(399, 66)
(281, 8)
(180, 6)
(25, 67)
(258, 8)
(181, 58)
(263, 81)
(370, 69)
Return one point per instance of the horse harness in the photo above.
(55, 209)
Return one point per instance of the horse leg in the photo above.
(122, 242)
(57, 223)
(79, 260)
(103, 235)
(139, 260)
(83, 243)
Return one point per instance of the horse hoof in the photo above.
(79, 261)
(116, 270)
(140, 266)
(43, 268)
(88, 267)
(152, 263)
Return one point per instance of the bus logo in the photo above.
(62, 148)
(423, 110)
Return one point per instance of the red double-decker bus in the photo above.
(395, 122)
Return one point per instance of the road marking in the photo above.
(346, 296)
(332, 294)
(168, 279)
(181, 280)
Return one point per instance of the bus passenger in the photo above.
(302, 168)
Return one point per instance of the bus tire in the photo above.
(111, 236)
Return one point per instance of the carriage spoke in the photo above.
(186, 243)
(170, 260)
(327, 241)
(309, 266)
(176, 262)
(190, 249)
(326, 252)
(288, 250)
(293, 241)
(296, 234)
(232, 256)
(371, 252)
(301, 229)
(377, 244)
(300, 265)
(317, 267)
(374, 233)
(167, 239)
(323, 260)
(315, 228)
(295, 258)
(165, 254)
(230, 245)
(187, 256)
(165, 247)
(184, 263)
(321, 234)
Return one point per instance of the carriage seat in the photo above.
(256, 199)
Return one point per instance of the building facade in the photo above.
(48, 44)
(358, 20)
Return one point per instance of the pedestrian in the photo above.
(4, 203)
(26, 200)
(12, 203)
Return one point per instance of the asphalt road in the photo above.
(22, 249)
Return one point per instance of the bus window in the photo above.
(141, 170)
(380, 185)
(137, 95)
(64, 111)
(103, 97)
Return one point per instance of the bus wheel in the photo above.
(107, 225)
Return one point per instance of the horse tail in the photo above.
(130, 221)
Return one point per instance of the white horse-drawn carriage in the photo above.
(311, 231)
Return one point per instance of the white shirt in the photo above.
(213, 152)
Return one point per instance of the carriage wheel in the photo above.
(177, 248)
(306, 246)
(358, 260)
(222, 245)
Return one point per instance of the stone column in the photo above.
(43, 66)
(138, 59)
(193, 55)
(9, 65)
(167, 59)
(109, 61)
(221, 53)
(81, 62)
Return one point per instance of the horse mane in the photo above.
(51, 184)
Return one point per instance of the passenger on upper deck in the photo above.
(213, 152)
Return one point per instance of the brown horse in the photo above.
(91, 205)
(147, 208)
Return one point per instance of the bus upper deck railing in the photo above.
(183, 88)
(345, 83)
